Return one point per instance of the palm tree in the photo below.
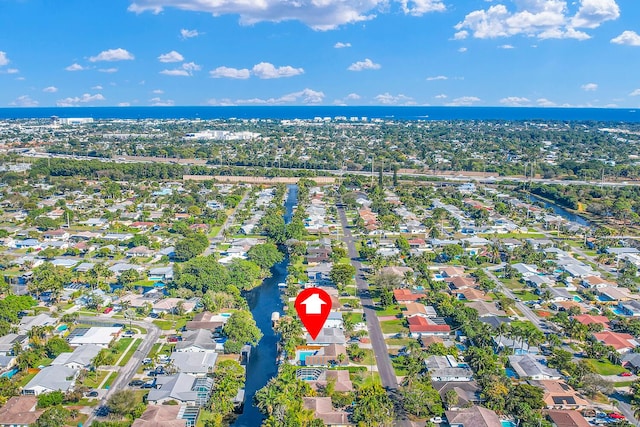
(501, 330)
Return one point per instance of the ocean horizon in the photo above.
(409, 113)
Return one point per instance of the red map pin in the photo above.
(313, 306)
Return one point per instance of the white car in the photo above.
(436, 420)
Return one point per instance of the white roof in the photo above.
(96, 335)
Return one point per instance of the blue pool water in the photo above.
(302, 355)
(11, 373)
(511, 373)
(438, 276)
(62, 328)
(576, 298)
(619, 311)
(507, 423)
(419, 288)
(602, 298)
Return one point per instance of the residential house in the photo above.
(97, 335)
(525, 270)
(198, 364)
(341, 378)
(565, 418)
(528, 367)
(170, 305)
(470, 294)
(51, 378)
(161, 416)
(592, 282)
(60, 234)
(29, 322)
(20, 411)
(589, 319)
(323, 409)
(559, 395)
(447, 368)
(421, 326)
(334, 320)
(199, 340)
(320, 273)
(10, 341)
(623, 343)
(449, 271)
(80, 358)
(327, 355)
(139, 251)
(476, 416)
(162, 274)
(486, 309)
(614, 293)
(206, 320)
(631, 361)
(328, 336)
(459, 282)
(407, 295)
(182, 388)
(468, 392)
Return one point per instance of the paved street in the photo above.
(379, 346)
(227, 223)
(128, 371)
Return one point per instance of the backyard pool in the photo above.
(438, 276)
(511, 373)
(302, 355)
(62, 328)
(576, 298)
(507, 423)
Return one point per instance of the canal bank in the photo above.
(559, 210)
(263, 301)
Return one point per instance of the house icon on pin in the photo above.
(313, 304)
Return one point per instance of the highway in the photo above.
(383, 362)
(128, 371)
(456, 176)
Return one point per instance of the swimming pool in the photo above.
(507, 423)
(576, 298)
(302, 355)
(438, 276)
(511, 373)
(11, 373)
(619, 311)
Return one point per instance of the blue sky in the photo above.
(320, 52)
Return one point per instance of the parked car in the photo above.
(616, 416)
(146, 361)
(436, 420)
(108, 310)
(136, 383)
(626, 374)
(129, 333)
(102, 411)
(92, 393)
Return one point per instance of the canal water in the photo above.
(560, 211)
(264, 300)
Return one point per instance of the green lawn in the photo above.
(94, 379)
(605, 367)
(25, 378)
(399, 370)
(394, 326)
(393, 310)
(526, 295)
(167, 325)
(129, 354)
(110, 380)
(369, 358)
(355, 317)
(399, 341)
(122, 344)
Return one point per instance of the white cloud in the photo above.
(353, 97)
(437, 78)
(230, 73)
(111, 55)
(367, 64)
(185, 70)
(75, 67)
(320, 15)
(4, 60)
(544, 102)
(341, 45)
(514, 101)
(157, 102)
(506, 46)
(50, 89)
(464, 101)
(305, 96)
(461, 35)
(188, 34)
(635, 93)
(265, 70)
(84, 99)
(545, 19)
(420, 7)
(24, 101)
(441, 96)
(124, 104)
(629, 38)
(108, 70)
(98, 87)
(172, 56)
(462, 50)
(592, 13)
(589, 87)
(10, 71)
(388, 99)
(157, 91)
